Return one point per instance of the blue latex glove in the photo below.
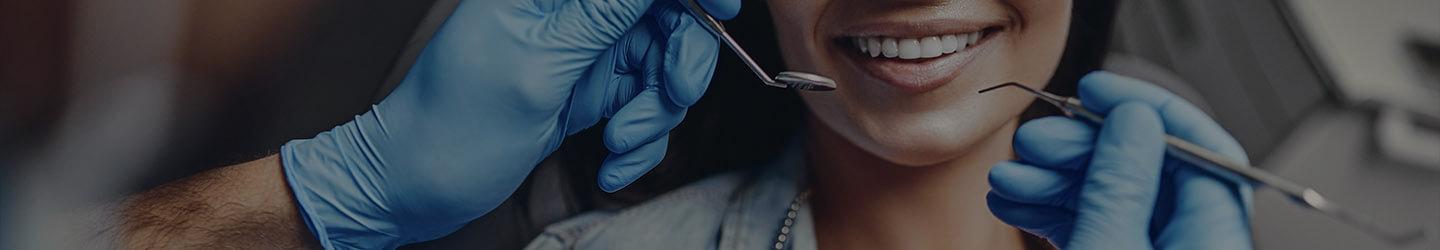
(1113, 187)
(498, 88)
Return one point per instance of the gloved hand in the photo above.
(1113, 187)
(498, 88)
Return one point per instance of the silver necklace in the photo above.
(784, 236)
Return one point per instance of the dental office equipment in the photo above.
(787, 79)
(1224, 167)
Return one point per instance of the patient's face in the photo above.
(907, 71)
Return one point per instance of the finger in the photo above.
(648, 115)
(616, 77)
(601, 92)
(690, 55)
(1055, 142)
(621, 169)
(1208, 213)
(1121, 182)
(645, 118)
(1103, 90)
(1051, 222)
(721, 9)
(1034, 185)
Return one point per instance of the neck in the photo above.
(861, 201)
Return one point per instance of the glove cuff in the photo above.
(326, 174)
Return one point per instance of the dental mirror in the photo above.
(805, 81)
(787, 79)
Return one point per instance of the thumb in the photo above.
(1118, 194)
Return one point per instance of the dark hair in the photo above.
(741, 123)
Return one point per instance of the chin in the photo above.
(919, 139)
(916, 151)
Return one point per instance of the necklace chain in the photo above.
(784, 236)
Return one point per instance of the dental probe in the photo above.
(787, 79)
(1224, 167)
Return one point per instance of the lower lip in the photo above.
(916, 76)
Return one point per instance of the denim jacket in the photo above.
(737, 210)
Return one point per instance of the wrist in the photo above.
(322, 173)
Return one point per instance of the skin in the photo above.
(244, 206)
(882, 155)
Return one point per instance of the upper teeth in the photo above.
(915, 48)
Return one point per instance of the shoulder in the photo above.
(688, 218)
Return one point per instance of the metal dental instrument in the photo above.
(1222, 166)
(787, 79)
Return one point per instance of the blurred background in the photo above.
(100, 99)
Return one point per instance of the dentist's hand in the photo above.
(1113, 187)
(498, 88)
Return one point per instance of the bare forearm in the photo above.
(241, 206)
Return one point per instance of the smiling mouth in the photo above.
(916, 48)
(916, 64)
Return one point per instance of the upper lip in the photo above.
(914, 28)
